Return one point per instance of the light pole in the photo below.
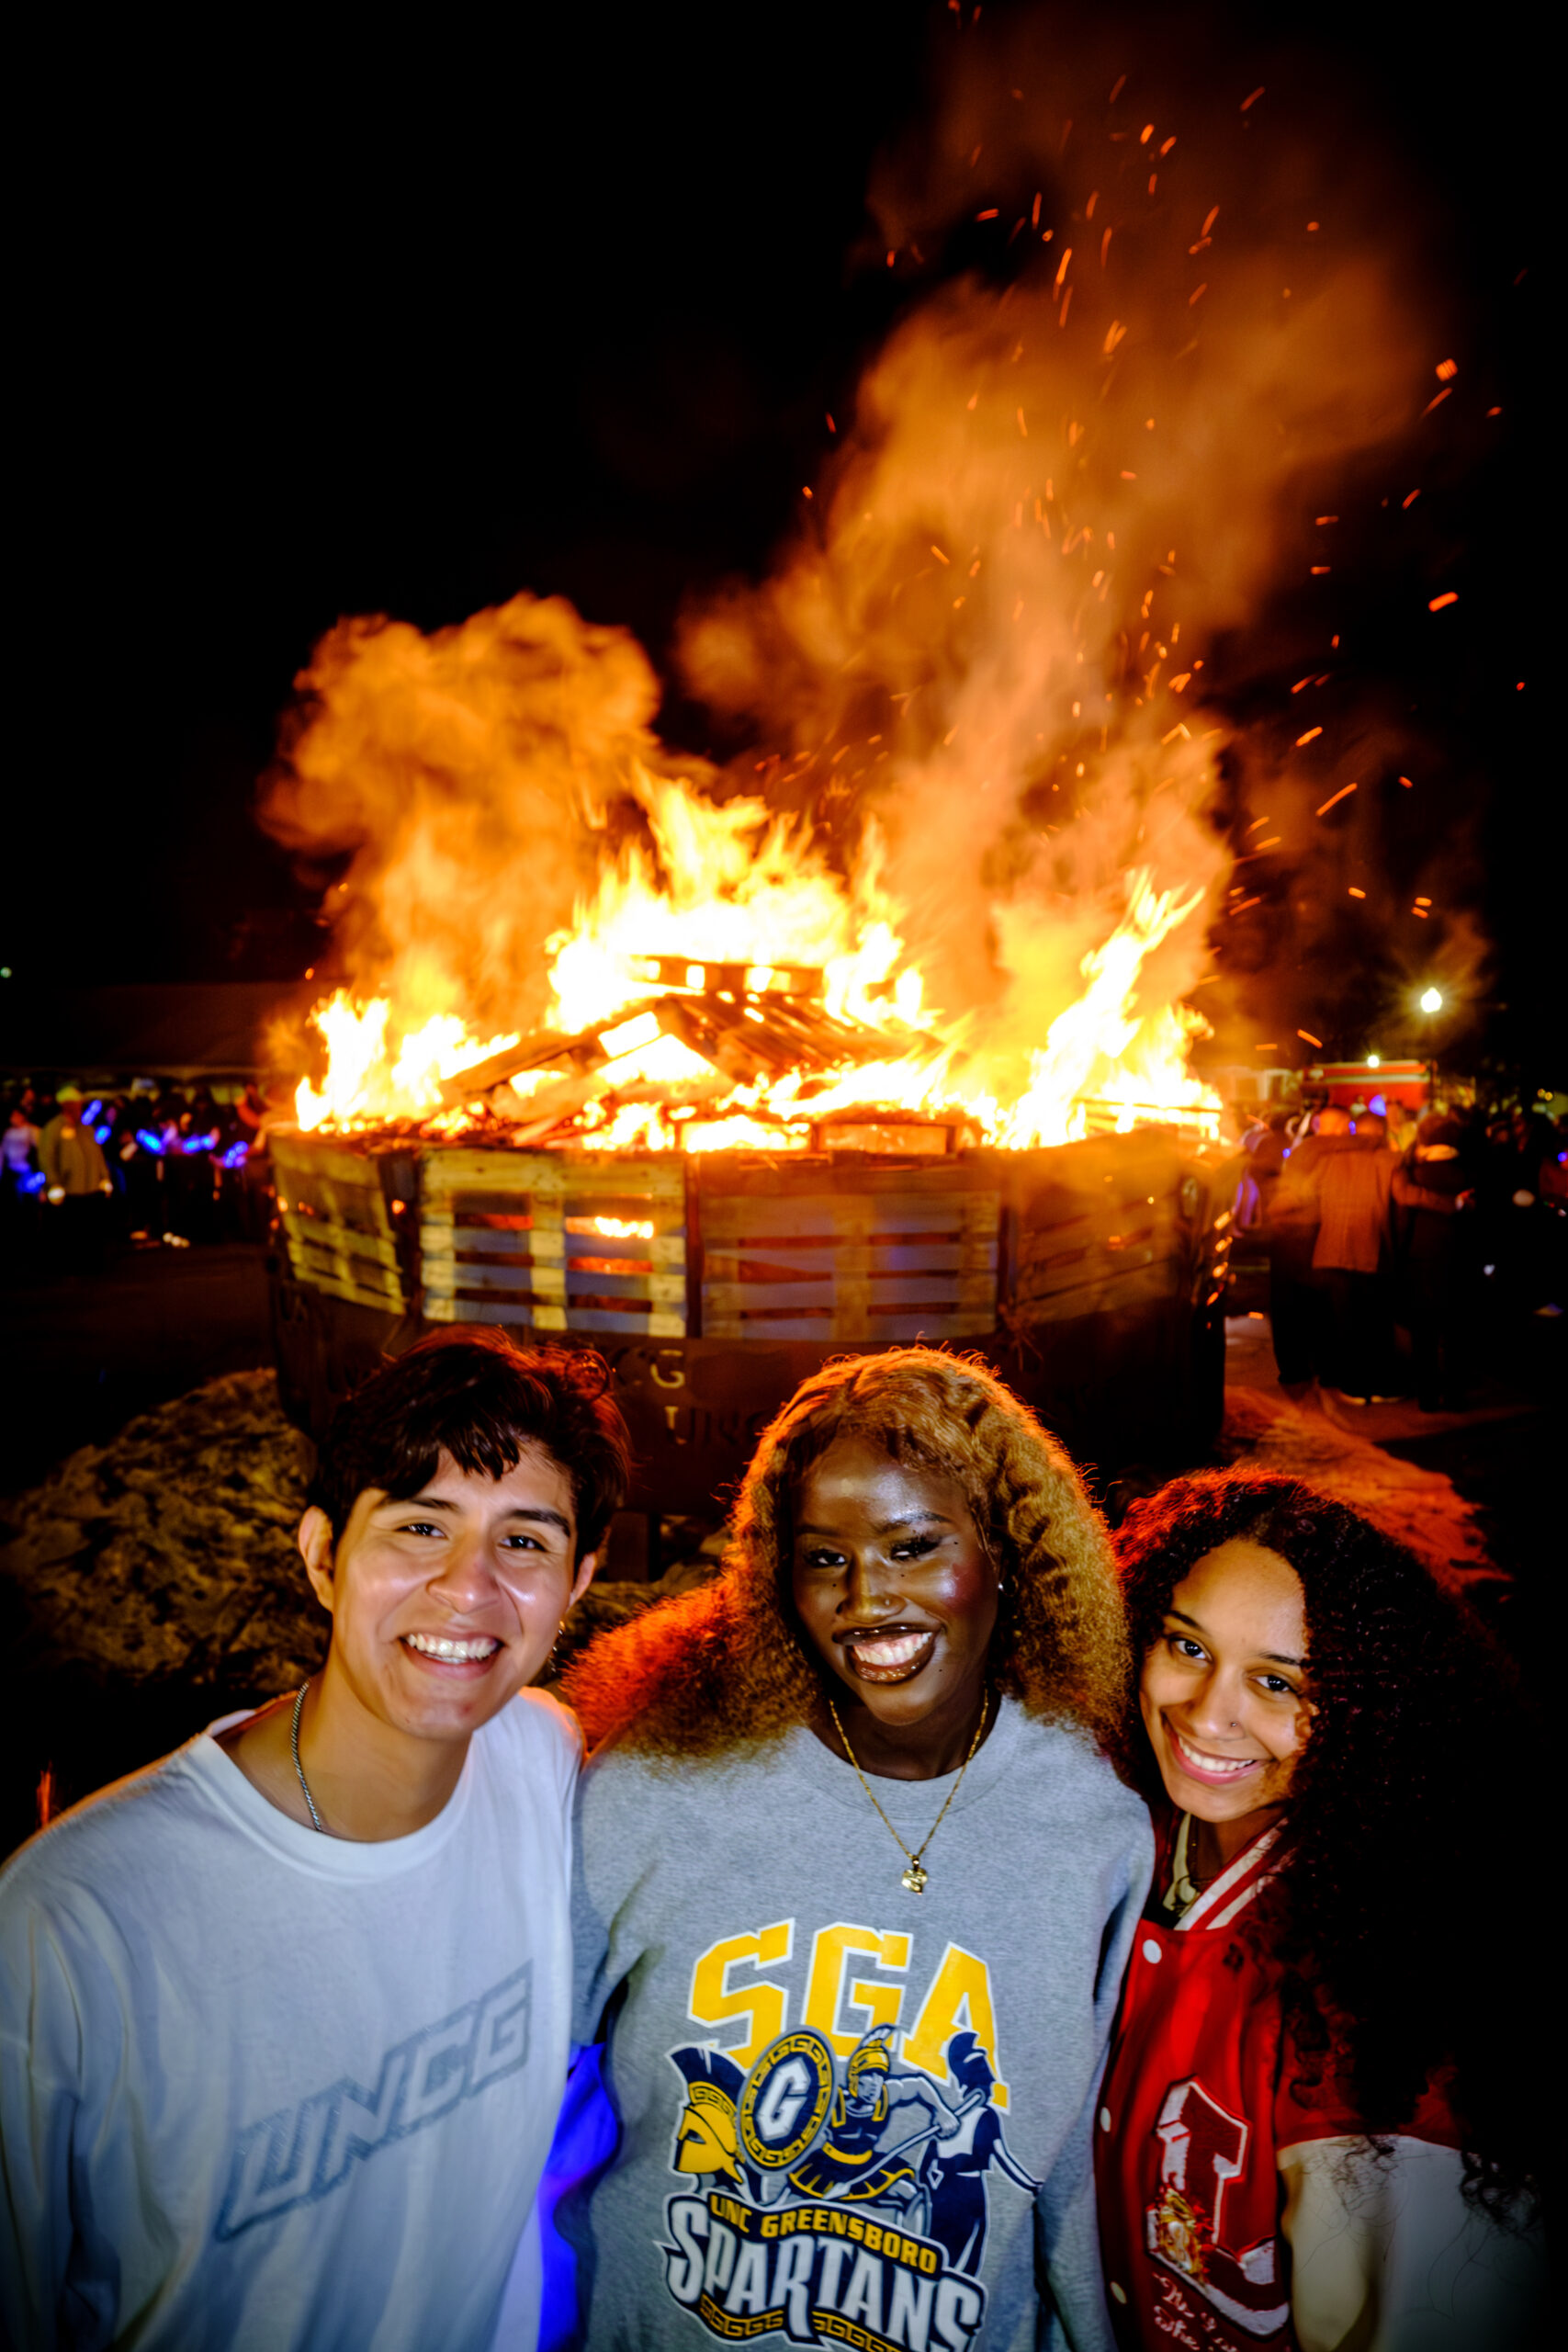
(1431, 1004)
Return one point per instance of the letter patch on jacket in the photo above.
(1203, 2148)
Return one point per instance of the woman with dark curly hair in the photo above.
(856, 1882)
(1316, 2127)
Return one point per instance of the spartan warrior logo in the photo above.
(841, 2203)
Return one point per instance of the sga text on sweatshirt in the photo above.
(267, 2088)
(849, 2113)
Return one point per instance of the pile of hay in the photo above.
(169, 1553)
(168, 1556)
(1421, 1508)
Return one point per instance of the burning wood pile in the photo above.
(884, 1030)
(1091, 1273)
(701, 1052)
(723, 1080)
(745, 1026)
(740, 1166)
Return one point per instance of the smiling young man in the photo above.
(283, 2018)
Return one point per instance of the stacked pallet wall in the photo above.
(337, 1224)
(509, 1237)
(1103, 1226)
(861, 1255)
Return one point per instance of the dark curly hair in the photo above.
(729, 1664)
(474, 1393)
(1401, 1867)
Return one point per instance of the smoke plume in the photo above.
(977, 667)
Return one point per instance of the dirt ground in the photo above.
(82, 1353)
(149, 1580)
(1478, 1495)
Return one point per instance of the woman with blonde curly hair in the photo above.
(857, 1884)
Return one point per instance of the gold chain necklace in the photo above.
(915, 1877)
(1183, 1891)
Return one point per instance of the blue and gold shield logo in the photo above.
(786, 2100)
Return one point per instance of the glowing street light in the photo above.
(1431, 1002)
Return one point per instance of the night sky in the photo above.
(410, 317)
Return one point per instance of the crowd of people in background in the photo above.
(1390, 1232)
(87, 1171)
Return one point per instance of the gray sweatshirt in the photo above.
(849, 2113)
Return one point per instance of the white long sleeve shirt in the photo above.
(267, 2088)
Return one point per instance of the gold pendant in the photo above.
(915, 1878)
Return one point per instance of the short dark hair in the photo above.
(478, 1397)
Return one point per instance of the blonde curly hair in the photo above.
(726, 1666)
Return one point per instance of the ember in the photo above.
(970, 875)
(884, 1030)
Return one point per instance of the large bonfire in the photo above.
(965, 875)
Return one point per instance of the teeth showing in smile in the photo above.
(460, 1650)
(885, 1653)
(1211, 1764)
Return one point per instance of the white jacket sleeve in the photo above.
(36, 2121)
(1386, 2254)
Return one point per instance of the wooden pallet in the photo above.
(1120, 1237)
(337, 1225)
(516, 1236)
(911, 1257)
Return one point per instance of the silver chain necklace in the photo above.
(294, 1751)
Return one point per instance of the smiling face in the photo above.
(444, 1606)
(1225, 1689)
(894, 1589)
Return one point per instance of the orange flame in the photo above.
(986, 821)
(370, 1080)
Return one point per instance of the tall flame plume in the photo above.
(984, 811)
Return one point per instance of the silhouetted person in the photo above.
(18, 1149)
(1350, 1259)
(1294, 1299)
(189, 1176)
(19, 1185)
(1431, 1187)
(1402, 1127)
(76, 1186)
(1268, 1155)
(141, 1169)
(1532, 1214)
